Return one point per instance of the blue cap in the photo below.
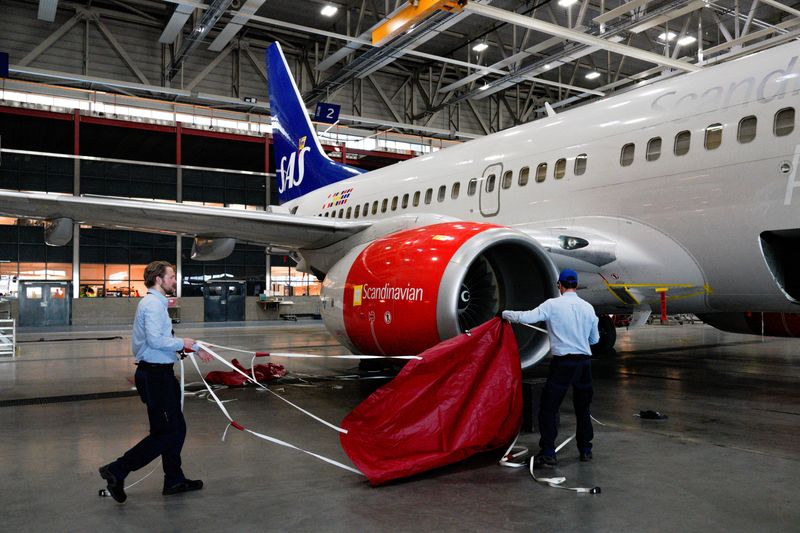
(568, 276)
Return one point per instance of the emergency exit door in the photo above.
(489, 187)
(45, 303)
(223, 301)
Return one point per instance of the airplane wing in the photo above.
(260, 227)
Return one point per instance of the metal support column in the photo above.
(76, 190)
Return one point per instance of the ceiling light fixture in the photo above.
(329, 10)
(686, 41)
(592, 75)
(666, 36)
(480, 47)
(567, 3)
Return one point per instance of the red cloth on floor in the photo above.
(463, 397)
(263, 373)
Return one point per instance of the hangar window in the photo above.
(490, 182)
(442, 193)
(428, 196)
(384, 204)
(626, 155)
(349, 212)
(653, 149)
(375, 207)
(394, 203)
(507, 178)
(358, 210)
(416, 198)
(560, 168)
(455, 190)
(523, 176)
(541, 172)
(472, 187)
(580, 164)
(682, 141)
(713, 136)
(747, 129)
(405, 201)
(784, 122)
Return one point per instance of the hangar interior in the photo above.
(167, 101)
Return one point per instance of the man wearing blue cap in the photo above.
(571, 327)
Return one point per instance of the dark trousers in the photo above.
(159, 389)
(567, 370)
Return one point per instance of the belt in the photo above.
(155, 367)
(572, 357)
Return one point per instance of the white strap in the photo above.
(308, 355)
(232, 423)
(206, 347)
(510, 455)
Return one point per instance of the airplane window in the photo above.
(394, 203)
(713, 136)
(580, 164)
(626, 155)
(349, 212)
(416, 199)
(428, 196)
(784, 122)
(682, 142)
(358, 210)
(653, 149)
(472, 187)
(454, 192)
(405, 200)
(523, 176)
(490, 183)
(366, 209)
(326, 214)
(384, 204)
(747, 129)
(341, 213)
(441, 194)
(560, 168)
(375, 207)
(541, 172)
(509, 174)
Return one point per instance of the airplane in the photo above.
(682, 191)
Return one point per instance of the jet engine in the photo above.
(407, 291)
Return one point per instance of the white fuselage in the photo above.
(690, 220)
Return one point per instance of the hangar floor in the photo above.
(727, 459)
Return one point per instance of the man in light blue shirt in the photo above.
(155, 349)
(571, 327)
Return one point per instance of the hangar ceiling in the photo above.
(467, 72)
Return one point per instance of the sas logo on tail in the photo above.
(287, 172)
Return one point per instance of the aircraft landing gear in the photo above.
(608, 336)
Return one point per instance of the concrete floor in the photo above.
(727, 459)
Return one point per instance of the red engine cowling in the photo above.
(406, 292)
(772, 324)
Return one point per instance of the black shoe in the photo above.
(115, 485)
(184, 486)
(541, 461)
(586, 457)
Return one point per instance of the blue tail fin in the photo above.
(302, 164)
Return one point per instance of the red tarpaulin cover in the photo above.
(463, 397)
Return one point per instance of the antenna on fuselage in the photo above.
(550, 111)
